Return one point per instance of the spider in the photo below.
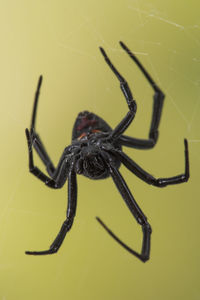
(96, 152)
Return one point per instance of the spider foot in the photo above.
(45, 252)
(146, 230)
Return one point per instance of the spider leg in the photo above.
(156, 114)
(159, 182)
(134, 209)
(38, 173)
(67, 224)
(36, 140)
(126, 121)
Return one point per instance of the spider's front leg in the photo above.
(126, 121)
(35, 170)
(35, 138)
(156, 114)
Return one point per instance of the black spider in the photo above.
(96, 152)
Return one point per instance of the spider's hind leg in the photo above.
(145, 252)
(67, 224)
(134, 209)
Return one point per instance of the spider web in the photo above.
(145, 16)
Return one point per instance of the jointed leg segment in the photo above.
(123, 125)
(156, 115)
(135, 210)
(35, 138)
(142, 174)
(157, 107)
(130, 201)
(35, 170)
(60, 177)
(67, 224)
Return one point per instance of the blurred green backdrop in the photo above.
(60, 40)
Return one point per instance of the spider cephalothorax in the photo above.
(96, 152)
(90, 137)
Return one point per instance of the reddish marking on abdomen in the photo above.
(84, 133)
(86, 123)
(81, 136)
(95, 130)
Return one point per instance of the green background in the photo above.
(60, 40)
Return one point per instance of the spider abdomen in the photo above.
(88, 122)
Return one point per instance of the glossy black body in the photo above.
(90, 136)
(96, 152)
